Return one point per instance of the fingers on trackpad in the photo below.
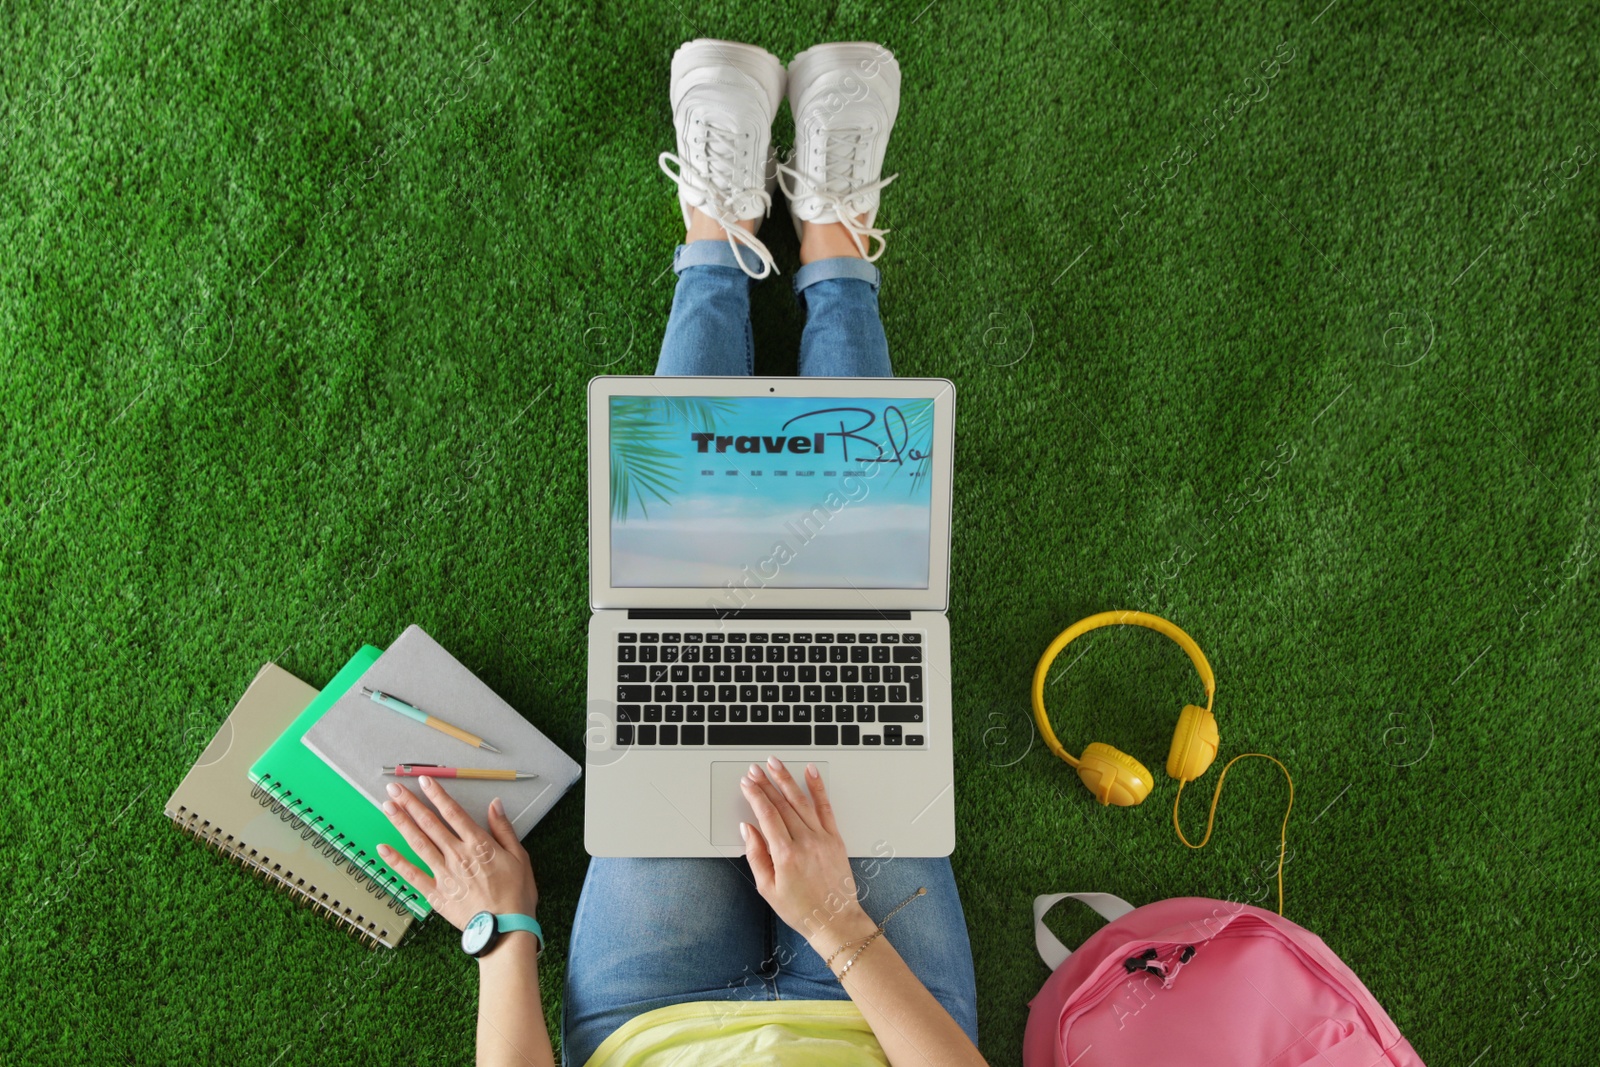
(728, 805)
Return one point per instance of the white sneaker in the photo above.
(724, 97)
(844, 98)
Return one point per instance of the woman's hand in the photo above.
(798, 857)
(474, 870)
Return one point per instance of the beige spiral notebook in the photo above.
(216, 804)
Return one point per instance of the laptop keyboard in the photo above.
(774, 689)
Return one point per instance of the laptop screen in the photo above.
(750, 492)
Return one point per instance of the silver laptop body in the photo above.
(769, 572)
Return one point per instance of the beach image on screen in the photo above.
(755, 492)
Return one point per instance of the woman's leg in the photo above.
(709, 330)
(929, 933)
(724, 95)
(844, 97)
(653, 932)
(843, 335)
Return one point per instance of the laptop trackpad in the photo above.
(728, 806)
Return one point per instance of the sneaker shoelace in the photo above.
(722, 201)
(841, 147)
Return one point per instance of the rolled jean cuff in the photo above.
(707, 254)
(823, 270)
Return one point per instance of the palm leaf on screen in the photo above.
(698, 414)
(640, 425)
(919, 429)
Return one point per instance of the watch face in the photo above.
(477, 933)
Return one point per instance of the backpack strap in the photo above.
(1051, 950)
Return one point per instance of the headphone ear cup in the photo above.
(1194, 744)
(1113, 776)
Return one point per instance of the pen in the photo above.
(396, 704)
(434, 770)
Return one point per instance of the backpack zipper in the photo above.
(1106, 976)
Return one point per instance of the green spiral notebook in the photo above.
(297, 786)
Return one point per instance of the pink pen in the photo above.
(434, 770)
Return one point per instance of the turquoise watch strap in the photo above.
(515, 921)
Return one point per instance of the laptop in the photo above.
(769, 568)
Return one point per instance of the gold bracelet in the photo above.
(828, 963)
(851, 962)
(835, 953)
(870, 938)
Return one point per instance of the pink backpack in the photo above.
(1205, 983)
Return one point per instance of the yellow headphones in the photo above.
(1113, 776)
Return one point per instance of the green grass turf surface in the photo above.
(297, 308)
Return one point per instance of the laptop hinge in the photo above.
(758, 615)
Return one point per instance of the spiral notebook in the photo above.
(214, 804)
(311, 796)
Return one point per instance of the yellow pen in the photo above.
(396, 704)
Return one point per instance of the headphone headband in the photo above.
(1095, 622)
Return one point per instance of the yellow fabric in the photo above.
(766, 1033)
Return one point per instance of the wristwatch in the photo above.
(483, 930)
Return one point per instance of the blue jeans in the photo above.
(709, 331)
(654, 932)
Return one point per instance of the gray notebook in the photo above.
(358, 738)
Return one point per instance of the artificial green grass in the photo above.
(289, 365)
